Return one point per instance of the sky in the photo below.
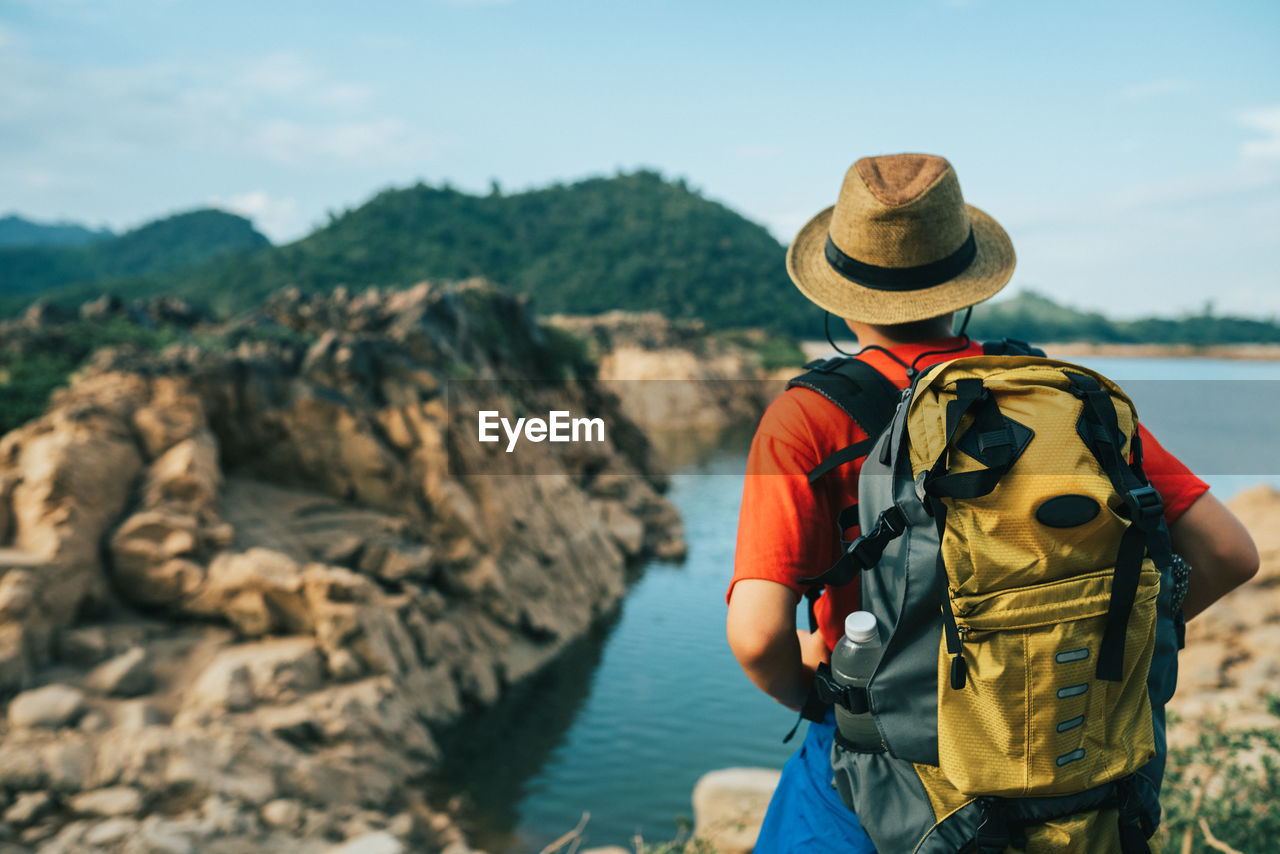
(1132, 150)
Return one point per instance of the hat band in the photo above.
(902, 278)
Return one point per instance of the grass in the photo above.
(1222, 794)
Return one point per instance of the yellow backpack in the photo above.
(1019, 566)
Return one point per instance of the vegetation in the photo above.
(167, 246)
(1034, 317)
(16, 231)
(1223, 793)
(631, 242)
(775, 351)
(31, 369)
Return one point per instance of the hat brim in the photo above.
(990, 271)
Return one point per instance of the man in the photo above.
(896, 256)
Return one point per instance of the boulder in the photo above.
(15, 658)
(186, 476)
(152, 555)
(729, 806)
(283, 813)
(137, 714)
(29, 808)
(259, 591)
(52, 706)
(126, 675)
(278, 670)
(377, 842)
(115, 801)
(172, 415)
(110, 832)
(17, 591)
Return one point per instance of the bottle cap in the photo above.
(860, 626)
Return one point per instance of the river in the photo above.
(624, 724)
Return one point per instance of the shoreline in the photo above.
(1239, 352)
(1060, 349)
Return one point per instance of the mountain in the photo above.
(16, 231)
(165, 246)
(632, 242)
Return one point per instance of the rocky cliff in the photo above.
(244, 580)
(676, 375)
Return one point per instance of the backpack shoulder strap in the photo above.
(866, 396)
(861, 392)
(1010, 347)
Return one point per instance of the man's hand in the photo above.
(813, 650)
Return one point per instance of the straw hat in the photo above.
(900, 245)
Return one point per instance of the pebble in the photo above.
(28, 808)
(126, 675)
(115, 801)
(52, 706)
(377, 842)
(283, 813)
(111, 831)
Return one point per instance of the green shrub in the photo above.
(25, 386)
(1225, 786)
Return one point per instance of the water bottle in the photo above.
(852, 662)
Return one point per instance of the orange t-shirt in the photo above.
(787, 527)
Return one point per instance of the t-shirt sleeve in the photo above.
(781, 512)
(1178, 486)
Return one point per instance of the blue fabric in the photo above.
(806, 816)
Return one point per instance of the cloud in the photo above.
(1265, 120)
(287, 141)
(1154, 89)
(276, 217)
(286, 74)
(278, 107)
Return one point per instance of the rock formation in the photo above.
(676, 375)
(244, 580)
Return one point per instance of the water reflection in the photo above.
(491, 757)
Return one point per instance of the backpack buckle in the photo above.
(1145, 506)
(891, 524)
(867, 549)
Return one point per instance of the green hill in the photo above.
(16, 231)
(166, 246)
(633, 242)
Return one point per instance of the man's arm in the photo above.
(1218, 548)
(762, 634)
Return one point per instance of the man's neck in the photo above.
(907, 333)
